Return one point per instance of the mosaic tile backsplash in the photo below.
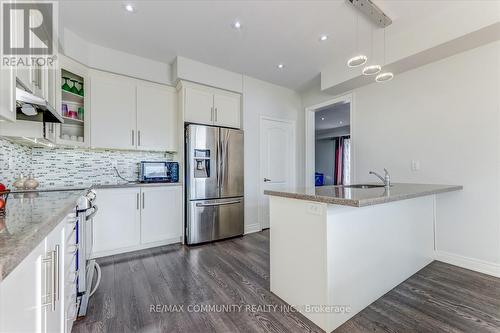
(67, 167)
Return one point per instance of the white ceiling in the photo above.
(272, 32)
(337, 115)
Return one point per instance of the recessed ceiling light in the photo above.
(281, 66)
(322, 118)
(340, 122)
(237, 25)
(129, 8)
(323, 38)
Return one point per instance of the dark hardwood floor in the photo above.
(165, 289)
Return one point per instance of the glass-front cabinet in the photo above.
(73, 104)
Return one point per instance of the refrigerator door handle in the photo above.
(217, 152)
(221, 162)
(199, 204)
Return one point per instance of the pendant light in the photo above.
(371, 69)
(385, 76)
(359, 59)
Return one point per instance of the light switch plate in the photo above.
(415, 165)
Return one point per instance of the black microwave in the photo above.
(158, 172)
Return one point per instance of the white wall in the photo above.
(265, 99)
(195, 71)
(103, 58)
(446, 115)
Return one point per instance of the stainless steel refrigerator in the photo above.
(214, 183)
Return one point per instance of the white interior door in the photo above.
(277, 163)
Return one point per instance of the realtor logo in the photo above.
(28, 33)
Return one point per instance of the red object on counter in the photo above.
(2, 188)
(2, 203)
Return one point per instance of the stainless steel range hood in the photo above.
(34, 108)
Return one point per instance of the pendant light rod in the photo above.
(359, 59)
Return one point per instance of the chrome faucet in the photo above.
(386, 179)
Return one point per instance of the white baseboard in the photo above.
(251, 228)
(139, 247)
(468, 263)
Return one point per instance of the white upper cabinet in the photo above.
(210, 106)
(113, 105)
(72, 97)
(156, 117)
(199, 106)
(227, 109)
(7, 94)
(132, 114)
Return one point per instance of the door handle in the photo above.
(199, 204)
(138, 201)
(212, 113)
(48, 299)
(143, 200)
(266, 180)
(138, 138)
(57, 281)
(215, 114)
(133, 139)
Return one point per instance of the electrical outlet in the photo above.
(314, 209)
(415, 165)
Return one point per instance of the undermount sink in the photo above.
(364, 186)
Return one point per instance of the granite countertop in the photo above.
(33, 214)
(339, 195)
(30, 218)
(95, 186)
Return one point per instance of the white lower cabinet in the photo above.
(34, 296)
(21, 295)
(54, 312)
(161, 215)
(117, 225)
(130, 219)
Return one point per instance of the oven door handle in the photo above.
(95, 209)
(218, 203)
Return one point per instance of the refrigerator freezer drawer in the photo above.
(210, 220)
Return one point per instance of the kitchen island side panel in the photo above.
(298, 266)
(373, 249)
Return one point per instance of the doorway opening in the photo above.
(329, 143)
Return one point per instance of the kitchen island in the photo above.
(335, 249)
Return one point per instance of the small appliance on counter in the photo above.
(159, 172)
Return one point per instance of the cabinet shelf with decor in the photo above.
(73, 104)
